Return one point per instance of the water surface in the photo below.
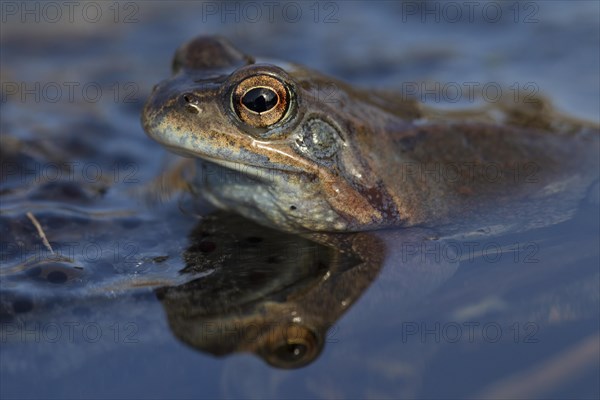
(510, 315)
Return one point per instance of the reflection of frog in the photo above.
(273, 149)
(267, 149)
(262, 291)
(255, 289)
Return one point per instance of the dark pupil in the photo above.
(259, 99)
(291, 352)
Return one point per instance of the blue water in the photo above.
(483, 324)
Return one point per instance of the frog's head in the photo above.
(276, 142)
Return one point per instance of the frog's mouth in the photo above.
(262, 173)
(260, 160)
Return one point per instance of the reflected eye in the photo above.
(260, 100)
(296, 347)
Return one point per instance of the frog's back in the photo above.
(442, 172)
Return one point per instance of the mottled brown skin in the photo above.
(356, 159)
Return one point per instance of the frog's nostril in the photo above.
(191, 103)
(192, 109)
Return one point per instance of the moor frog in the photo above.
(272, 149)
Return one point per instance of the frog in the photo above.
(269, 147)
(370, 175)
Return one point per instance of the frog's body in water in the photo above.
(288, 147)
(273, 148)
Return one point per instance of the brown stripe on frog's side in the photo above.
(381, 200)
(348, 202)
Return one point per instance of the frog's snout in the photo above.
(163, 97)
(154, 108)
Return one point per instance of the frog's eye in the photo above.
(260, 100)
(297, 347)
